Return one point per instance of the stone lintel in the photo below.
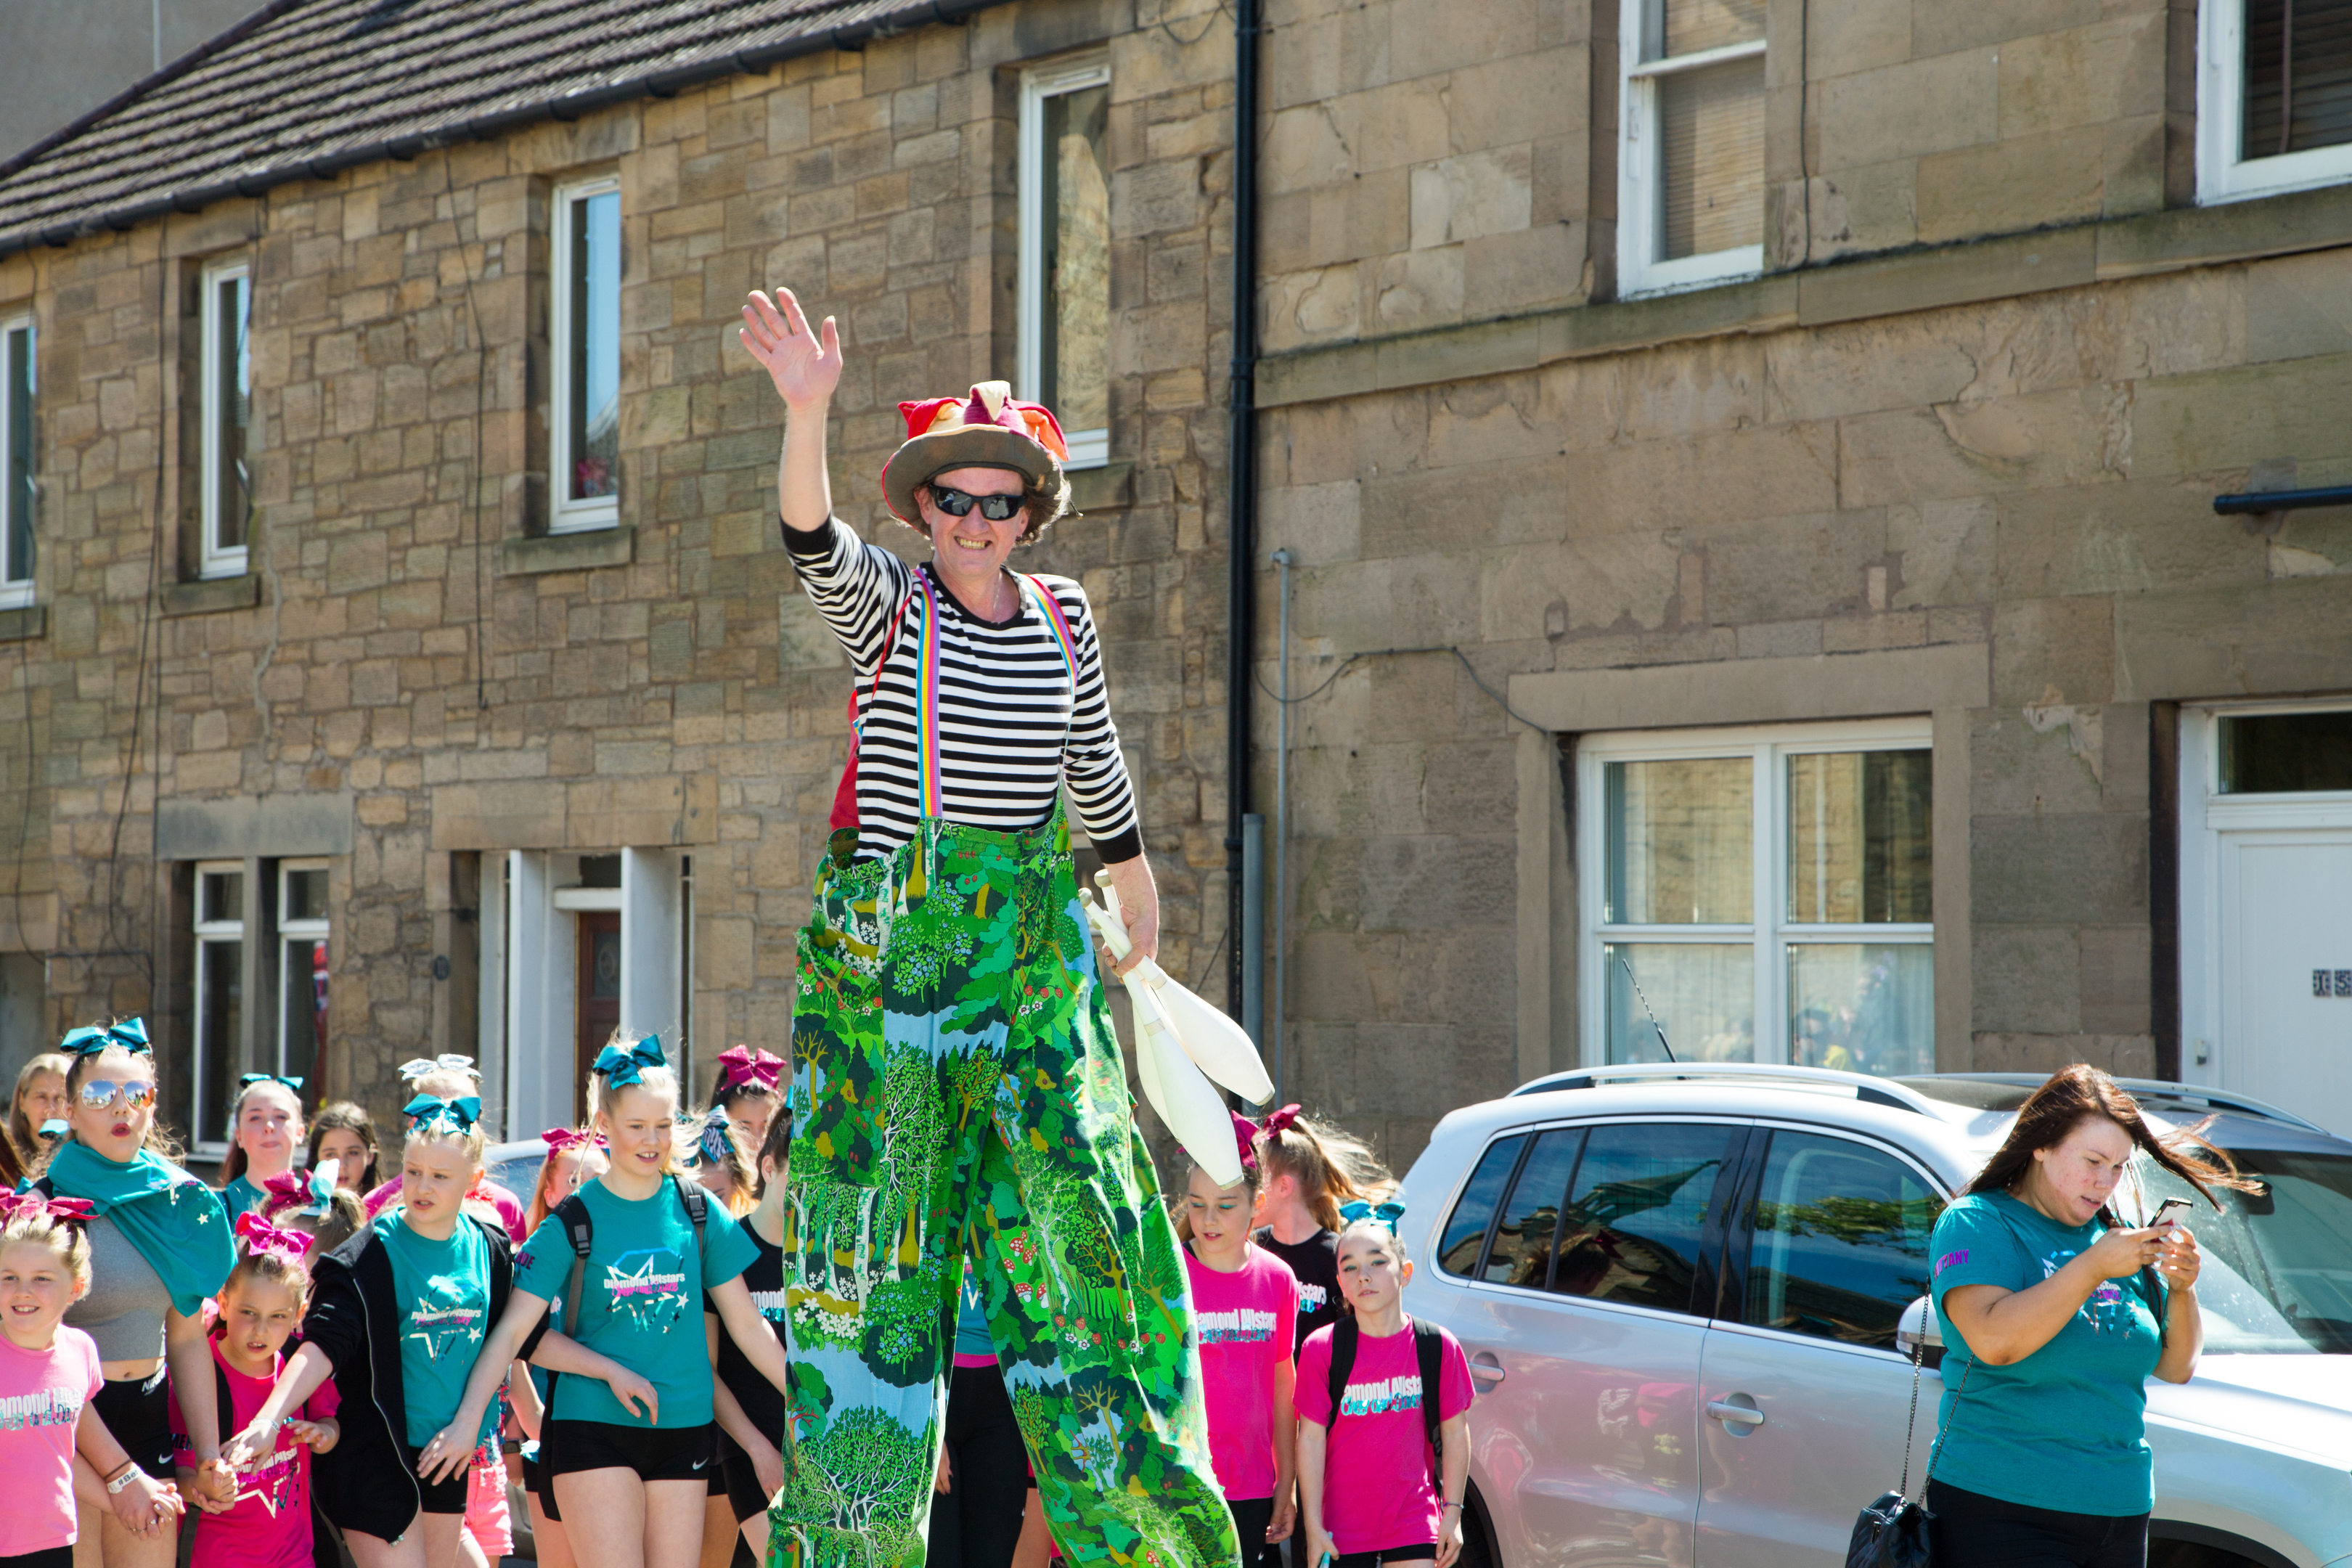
(1105, 488)
(240, 826)
(1758, 691)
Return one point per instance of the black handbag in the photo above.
(1893, 1533)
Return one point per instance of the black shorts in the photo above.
(743, 1491)
(440, 1496)
(655, 1453)
(48, 1557)
(534, 1481)
(1376, 1559)
(138, 1410)
(717, 1487)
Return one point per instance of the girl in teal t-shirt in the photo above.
(628, 1459)
(2055, 1314)
(266, 1132)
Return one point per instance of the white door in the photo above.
(2284, 939)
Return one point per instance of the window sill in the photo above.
(203, 598)
(1104, 488)
(24, 622)
(577, 551)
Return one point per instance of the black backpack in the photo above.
(1428, 1351)
(581, 1227)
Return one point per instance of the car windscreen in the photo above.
(2277, 1275)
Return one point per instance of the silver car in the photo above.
(1680, 1289)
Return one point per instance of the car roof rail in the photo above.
(1868, 1090)
(2214, 1100)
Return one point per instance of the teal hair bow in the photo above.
(460, 1113)
(131, 1035)
(1385, 1215)
(249, 1080)
(621, 1065)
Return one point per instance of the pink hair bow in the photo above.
(71, 1211)
(1245, 1133)
(263, 1239)
(740, 1064)
(563, 1140)
(1282, 1120)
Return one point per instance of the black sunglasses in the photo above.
(956, 503)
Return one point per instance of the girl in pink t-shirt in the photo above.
(1365, 1471)
(1244, 1301)
(268, 1525)
(48, 1374)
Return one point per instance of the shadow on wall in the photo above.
(23, 1023)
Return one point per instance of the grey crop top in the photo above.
(125, 1307)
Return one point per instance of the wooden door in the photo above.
(598, 1005)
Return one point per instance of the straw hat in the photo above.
(986, 429)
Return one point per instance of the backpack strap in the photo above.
(1429, 1349)
(696, 1199)
(581, 1227)
(1343, 1361)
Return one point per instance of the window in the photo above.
(227, 403)
(220, 996)
(18, 489)
(2273, 97)
(1690, 205)
(1841, 1240)
(302, 968)
(1774, 875)
(2300, 752)
(1522, 1249)
(1465, 1232)
(1635, 1212)
(1065, 300)
(584, 427)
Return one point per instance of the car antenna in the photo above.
(1646, 1008)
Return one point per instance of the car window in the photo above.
(1632, 1228)
(2278, 1263)
(1465, 1229)
(1521, 1252)
(1841, 1240)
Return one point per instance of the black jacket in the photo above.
(364, 1481)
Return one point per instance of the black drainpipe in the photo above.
(1241, 504)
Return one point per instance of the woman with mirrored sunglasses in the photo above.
(958, 1087)
(160, 1244)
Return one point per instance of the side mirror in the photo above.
(1917, 1325)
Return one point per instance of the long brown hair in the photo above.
(23, 1147)
(1333, 1166)
(2075, 1093)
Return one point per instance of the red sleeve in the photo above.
(324, 1402)
(1311, 1396)
(1453, 1389)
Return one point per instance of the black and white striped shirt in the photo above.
(1011, 730)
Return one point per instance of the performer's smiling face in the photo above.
(973, 542)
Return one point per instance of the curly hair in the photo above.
(1044, 499)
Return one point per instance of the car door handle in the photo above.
(1730, 1414)
(1485, 1367)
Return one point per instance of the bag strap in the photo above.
(696, 1199)
(1911, 1422)
(1429, 1349)
(581, 1227)
(1343, 1361)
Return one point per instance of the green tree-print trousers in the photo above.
(958, 1091)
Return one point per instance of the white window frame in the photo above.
(565, 515)
(208, 932)
(1769, 929)
(15, 592)
(1089, 449)
(2224, 173)
(218, 559)
(1639, 188)
(318, 930)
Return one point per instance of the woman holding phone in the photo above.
(2055, 1314)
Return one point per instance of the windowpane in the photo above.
(220, 1013)
(2280, 753)
(1632, 1229)
(1863, 1007)
(1521, 1254)
(1859, 847)
(1692, 25)
(1681, 842)
(593, 399)
(1840, 1244)
(222, 897)
(306, 895)
(1075, 326)
(302, 986)
(1703, 996)
(233, 391)
(1465, 1232)
(1711, 159)
(2298, 83)
(16, 482)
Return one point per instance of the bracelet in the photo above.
(124, 1478)
(1449, 1502)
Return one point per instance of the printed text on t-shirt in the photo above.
(1388, 1394)
(43, 1407)
(647, 1287)
(1242, 1325)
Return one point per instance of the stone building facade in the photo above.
(1833, 629)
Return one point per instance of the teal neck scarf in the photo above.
(174, 1220)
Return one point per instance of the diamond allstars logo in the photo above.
(444, 1328)
(646, 1287)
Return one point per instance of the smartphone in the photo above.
(2164, 1212)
